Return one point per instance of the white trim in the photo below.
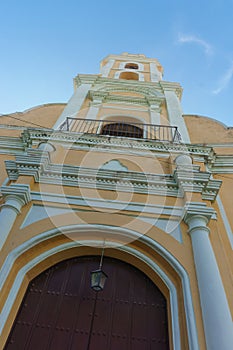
(155, 209)
(225, 220)
(175, 114)
(105, 70)
(155, 74)
(74, 104)
(93, 111)
(13, 255)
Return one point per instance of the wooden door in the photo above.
(57, 310)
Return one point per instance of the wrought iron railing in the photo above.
(122, 129)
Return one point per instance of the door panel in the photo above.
(57, 310)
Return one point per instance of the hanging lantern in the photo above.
(98, 278)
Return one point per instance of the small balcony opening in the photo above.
(122, 129)
(131, 66)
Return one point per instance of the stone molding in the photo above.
(19, 193)
(198, 210)
(127, 86)
(33, 136)
(151, 86)
(191, 179)
(37, 164)
(105, 97)
(168, 86)
(221, 164)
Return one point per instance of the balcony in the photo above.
(115, 128)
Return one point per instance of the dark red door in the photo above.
(57, 310)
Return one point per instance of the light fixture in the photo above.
(98, 277)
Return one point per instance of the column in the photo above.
(94, 109)
(15, 197)
(105, 70)
(155, 114)
(215, 309)
(74, 104)
(175, 114)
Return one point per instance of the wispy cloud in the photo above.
(184, 38)
(225, 80)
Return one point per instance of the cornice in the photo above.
(11, 145)
(86, 141)
(30, 164)
(45, 172)
(103, 96)
(146, 88)
(18, 191)
(192, 180)
(221, 164)
(155, 209)
(126, 87)
(161, 86)
(37, 164)
(197, 209)
(129, 83)
(170, 86)
(85, 79)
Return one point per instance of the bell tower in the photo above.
(132, 67)
(130, 90)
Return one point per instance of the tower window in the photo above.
(129, 76)
(131, 66)
(122, 129)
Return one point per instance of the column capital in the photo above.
(154, 102)
(197, 214)
(18, 192)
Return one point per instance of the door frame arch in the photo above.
(128, 249)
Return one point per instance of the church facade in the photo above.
(117, 182)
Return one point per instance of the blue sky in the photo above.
(45, 44)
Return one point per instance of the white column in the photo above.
(155, 115)
(74, 104)
(215, 309)
(93, 110)
(105, 70)
(155, 74)
(15, 197)
(175, 114)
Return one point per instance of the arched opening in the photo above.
(129, 76)
(122, 129)
(131, 66)
(57, 310)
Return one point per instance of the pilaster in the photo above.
(172, 94)
(155, 74)
(74, 104)
(105, 70)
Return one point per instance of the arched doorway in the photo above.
(58, 306)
